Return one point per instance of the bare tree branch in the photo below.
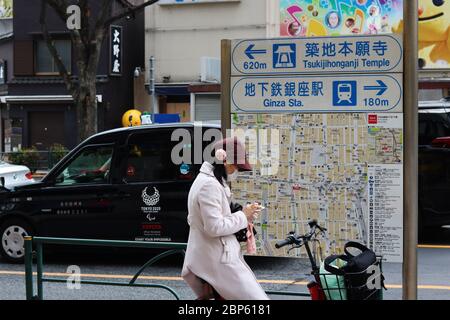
(130, 11)
(126, 4)
(87, 44)
(60, 7)
(85, 21)
(80, 38)
(47, 38)
(98, 36)
(104, 14)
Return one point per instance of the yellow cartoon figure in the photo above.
(434, 30)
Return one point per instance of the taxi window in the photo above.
(90, 166)
(149, 159)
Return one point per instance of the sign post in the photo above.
(225, 84)
(411, 150)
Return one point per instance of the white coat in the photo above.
(213, 252)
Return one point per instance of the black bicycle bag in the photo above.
(357, 272)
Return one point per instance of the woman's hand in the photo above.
(251, 211)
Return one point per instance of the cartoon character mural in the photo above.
(434, 33)
(338, 17)
(374, 19)
(345, 17)
(6, 9)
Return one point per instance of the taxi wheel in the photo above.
(12, 234)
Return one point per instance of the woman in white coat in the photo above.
(213, 255)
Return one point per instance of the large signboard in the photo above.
(339, 17)
(337, 155)
(331, 167)
(307, 18)
(6, 9)
(361, 93)
(434, 36)
(318, 55)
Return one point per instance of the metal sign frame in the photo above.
(410, 114)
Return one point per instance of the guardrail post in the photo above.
(153, 260)
(39, 262)
(39, 244)
(29, 267)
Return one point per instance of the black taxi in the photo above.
(124, 184)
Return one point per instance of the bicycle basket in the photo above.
(341, 285)
(371, 288)
(332, 278)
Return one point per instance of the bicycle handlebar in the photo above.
(283, 243)
(293, 238)
(321, 228)
(313, 223)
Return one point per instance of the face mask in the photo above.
(233, 176)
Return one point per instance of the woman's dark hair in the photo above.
(219, 172)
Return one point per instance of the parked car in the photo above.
(120, 184)
(434, 164)
(12, 175)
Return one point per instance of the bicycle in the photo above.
(328, 286)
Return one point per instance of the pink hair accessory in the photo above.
(221, 155)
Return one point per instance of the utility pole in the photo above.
(411, 120)
(226, 86)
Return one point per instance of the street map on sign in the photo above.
(322, 174)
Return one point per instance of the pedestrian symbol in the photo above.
(284, 56)
(344, 93)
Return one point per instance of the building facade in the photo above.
(184, 37)
(36, 109)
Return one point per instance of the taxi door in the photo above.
(78, 202)
(157, 185)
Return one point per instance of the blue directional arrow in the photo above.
(381, 88)
(250, 52)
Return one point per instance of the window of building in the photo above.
(45, 64)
